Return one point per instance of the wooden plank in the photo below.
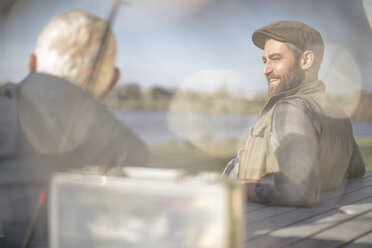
(296, 233)
(348, 186)
(271, 211)
(259, 229)
(267, 213)
(362, 242)
(340, 234)
(272, 215)
(252, 207)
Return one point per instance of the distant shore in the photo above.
(133, 97)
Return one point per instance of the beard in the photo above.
(289, 80)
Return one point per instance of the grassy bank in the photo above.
(186, 156)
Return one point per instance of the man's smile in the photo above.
(273, 80)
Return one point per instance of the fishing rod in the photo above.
(90, 85)
(92, 77)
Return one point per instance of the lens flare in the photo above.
(341, 75)
(145, 13)
(367, 4)
(164, 9)
(205, 110)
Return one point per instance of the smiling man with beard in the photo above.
(302, 144)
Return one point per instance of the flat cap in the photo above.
(299, 34)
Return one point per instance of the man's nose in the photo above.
(267, 68)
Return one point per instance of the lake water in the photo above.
(158, 127)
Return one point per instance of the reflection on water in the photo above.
(152, 126)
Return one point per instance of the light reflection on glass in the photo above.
(139, 213)
(342, 77)
(367, 4)
(202, 117)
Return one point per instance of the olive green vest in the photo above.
(335, 138)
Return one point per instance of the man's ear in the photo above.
(116, 76)
(113, 82)
(307, 60)
(32, 62)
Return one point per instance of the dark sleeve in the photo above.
(131, 146)
(294, 140)
(112, 143)
(69, 127)
(8, 120)
(357, 166)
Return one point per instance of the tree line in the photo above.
(131, 96)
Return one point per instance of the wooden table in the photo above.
(343, 218)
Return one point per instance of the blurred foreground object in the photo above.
(149, 208)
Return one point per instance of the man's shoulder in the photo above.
(294, 101)
(293, 105)
(40, 85)
(56, 115)
(294, 110)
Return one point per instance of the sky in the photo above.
(202, 44)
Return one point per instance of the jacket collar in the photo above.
(305, 89)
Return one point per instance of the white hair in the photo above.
(68, 45)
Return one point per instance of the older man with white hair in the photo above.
(54, 122)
